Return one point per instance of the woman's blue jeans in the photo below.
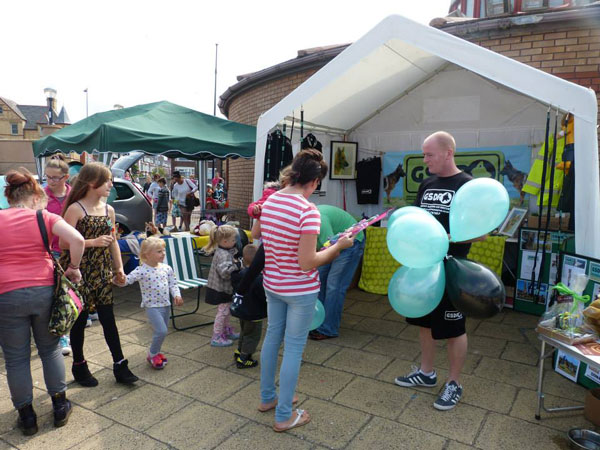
(21, 312)
(289, 318)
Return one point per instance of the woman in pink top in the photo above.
(26, 292)
(57, 190)
(289, 225)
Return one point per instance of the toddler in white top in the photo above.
(157, 281)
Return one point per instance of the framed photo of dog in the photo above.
(513, 222)
(343, 160)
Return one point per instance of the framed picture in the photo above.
(343, 160)
(567, 366)
(513, 221)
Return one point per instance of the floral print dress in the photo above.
(96, 263)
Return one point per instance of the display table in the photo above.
(130, 247)
(592, 361)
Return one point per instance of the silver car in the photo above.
(132, 207)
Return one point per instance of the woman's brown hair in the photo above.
(307, 166)
(59, 162)
(21, 186)
(93, 175)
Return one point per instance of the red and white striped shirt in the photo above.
(284, 217)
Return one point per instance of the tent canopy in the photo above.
(404, 80)
(160, 128)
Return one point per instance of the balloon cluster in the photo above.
(419, 242)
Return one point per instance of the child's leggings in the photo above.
(222, 319)
(159, 319)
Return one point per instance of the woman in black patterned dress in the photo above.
(87, 211)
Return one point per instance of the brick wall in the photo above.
(247, 108)
(569, 51)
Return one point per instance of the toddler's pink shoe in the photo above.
(163, 357)
(155, 361)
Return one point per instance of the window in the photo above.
(14, 128)
(123, 191)
(1, 111)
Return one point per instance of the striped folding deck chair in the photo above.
(180, 256)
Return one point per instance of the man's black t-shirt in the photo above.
(435, 195)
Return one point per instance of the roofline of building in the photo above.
(298, 64)
(462, 28)
(583, 13)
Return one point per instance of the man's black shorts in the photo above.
(445, 321)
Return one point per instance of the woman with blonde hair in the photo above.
(26, 295)
(87, 211)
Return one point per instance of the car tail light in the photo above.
(148, 199)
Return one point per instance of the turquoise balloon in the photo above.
(319, 316)
(478, 207)
(416, 292)
(402, 211)
(417, 239)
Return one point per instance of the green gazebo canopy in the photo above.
(160, 128)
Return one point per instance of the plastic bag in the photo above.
(565, 318)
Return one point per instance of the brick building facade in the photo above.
(565, 43)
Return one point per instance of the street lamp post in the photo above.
(50, 96)
(86, 101)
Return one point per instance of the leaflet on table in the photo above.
(589, 348)
(527, 262)
(572, 266)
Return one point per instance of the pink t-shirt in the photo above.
(284, 218)
(55, 205)
(24, 261)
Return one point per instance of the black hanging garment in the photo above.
(311, 141)
(368, 179)
(278, 155)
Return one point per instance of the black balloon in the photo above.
(474, 289)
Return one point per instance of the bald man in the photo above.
(445, 322)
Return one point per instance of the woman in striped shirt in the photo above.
(289, 226)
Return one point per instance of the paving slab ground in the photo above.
(202, 401)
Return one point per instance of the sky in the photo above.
(131, 52)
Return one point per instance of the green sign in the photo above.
(594, 271)
(478, 164)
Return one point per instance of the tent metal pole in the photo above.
(315, 127)
(202, 183)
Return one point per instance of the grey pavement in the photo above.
(202, 401)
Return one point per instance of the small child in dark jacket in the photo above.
(218, 288)
(162, 205)
(249, 304)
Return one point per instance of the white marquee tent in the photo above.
(403, 80)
